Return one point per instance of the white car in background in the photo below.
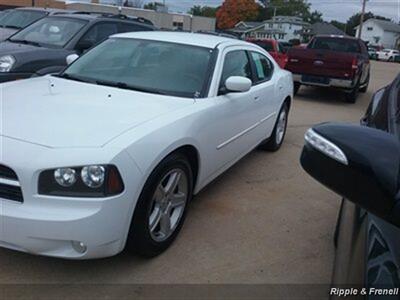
(108, 154)
(387, 54)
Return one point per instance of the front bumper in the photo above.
(53, 226)
(5, 77)
(333, 82)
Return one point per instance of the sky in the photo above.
(332, 9)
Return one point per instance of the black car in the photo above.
(42, 47)
(362, 164)
(15, 19)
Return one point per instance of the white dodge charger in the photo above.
(107, 154)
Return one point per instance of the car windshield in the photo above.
(50, 31)
(335, 44)
(265, 45)
(19, 18)
(144, 65)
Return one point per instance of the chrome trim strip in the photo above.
(9, 182)
(245, 131)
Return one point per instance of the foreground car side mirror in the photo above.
(359, 163)
(71, 58)
(237, 84)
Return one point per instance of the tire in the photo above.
(365, 88)
(296, 87)
(278, 135)
(391, 59)
(352, 96)
(154, 206)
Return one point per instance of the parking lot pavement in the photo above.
(263, 221)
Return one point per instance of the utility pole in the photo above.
(360, 28)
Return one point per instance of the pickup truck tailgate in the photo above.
(320, 63)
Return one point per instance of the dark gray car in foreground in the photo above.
(42, 47)
(362, 164)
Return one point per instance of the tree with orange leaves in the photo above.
(233, 11)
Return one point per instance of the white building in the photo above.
(380, 33)
(281, 28)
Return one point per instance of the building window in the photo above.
(271, 25)
(370, 28)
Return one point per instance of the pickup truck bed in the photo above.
(331, 61)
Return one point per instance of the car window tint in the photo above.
(264, 67)
(131, 27)
(236, 64)
(336, 44)
(169, 68)
(50, 31)
(21, 18)
(100, 32)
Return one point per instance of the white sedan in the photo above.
(107, 154)
(387, 54)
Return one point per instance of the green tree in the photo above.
(339, 25)
(204, 11)
(354, 21)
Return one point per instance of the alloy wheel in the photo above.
(168, 204)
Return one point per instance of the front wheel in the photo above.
(161, 207)
(279, 132)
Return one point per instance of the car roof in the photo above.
(186, 38)
(337, 36)
(89, 16)
(48, 10)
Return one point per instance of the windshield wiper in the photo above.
(123, 85)
(26, 42)
(73, 77)
(11, 27)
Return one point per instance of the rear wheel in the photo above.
(351, 97)
(296, 87)
(365, 88)
(161, 208)
(391, 59)
(279, 132)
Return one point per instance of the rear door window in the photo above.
(263, 67)
(132, 27)
(100, 32)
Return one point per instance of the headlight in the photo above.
(326, 147)
(6, 63)
(65, 177)
(93, 176)
(84, 181)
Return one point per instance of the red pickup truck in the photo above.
(272, 47)
(331, 61)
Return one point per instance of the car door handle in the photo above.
(256, 98)
(281, 87)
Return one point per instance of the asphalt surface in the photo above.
(263, 221)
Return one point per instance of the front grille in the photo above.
(10, 188)
(10, 192)
(7, 173)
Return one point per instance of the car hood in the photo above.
(60, 113)
(5, 33)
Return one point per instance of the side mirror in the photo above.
(84, 45)
(238, 84)
(359, 163)
(71, 58)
